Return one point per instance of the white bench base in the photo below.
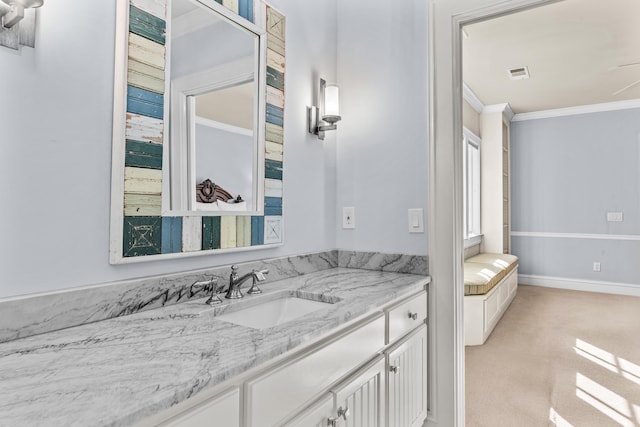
(482, 312)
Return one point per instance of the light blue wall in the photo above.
(382, 140)
(566, 174)
(55, 150)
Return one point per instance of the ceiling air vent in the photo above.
(519, 73)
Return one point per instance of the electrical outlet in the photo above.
(596, 266)
(614, 217)
(349, 217)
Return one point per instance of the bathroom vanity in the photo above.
(362, 355)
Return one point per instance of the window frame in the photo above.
(472, 200)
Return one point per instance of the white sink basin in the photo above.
(272, 313)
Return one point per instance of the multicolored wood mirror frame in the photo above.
(139, 229)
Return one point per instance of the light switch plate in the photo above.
(416, 221)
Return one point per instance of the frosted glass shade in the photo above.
(331, 101)
(25, 3)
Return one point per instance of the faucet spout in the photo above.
(236, 281)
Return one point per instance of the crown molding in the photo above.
(505, 109)
(472, 99)
(582, 109)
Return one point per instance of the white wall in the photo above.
(55, 160)
(382, 140)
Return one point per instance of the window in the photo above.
(471, 170)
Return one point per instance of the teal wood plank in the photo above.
(144, 102)
(143, 155)
(246, 9)
(275, 115)
(142, 235)
(257, 230)
(275, 78)
(171, 234)
(146, 25)
(273, 169)
(210, 232)
(272, 206)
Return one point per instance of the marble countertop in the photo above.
(118, 371)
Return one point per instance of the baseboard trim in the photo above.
(580, 285)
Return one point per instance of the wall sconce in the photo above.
(17, 25)
(327, 114)
(12, 11)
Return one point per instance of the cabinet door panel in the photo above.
(363, 395)
(407, 381)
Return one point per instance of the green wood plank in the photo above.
(143, 154)
(275, 78)
(273, 169)
(210, 232)
(146, 25)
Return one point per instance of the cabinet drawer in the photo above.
(316, 416)
(406, 316)
(279, 392)
(220, 410)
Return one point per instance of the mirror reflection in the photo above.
(214, 112)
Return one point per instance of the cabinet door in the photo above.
(359, 401)
(222, 410)
(407, 381)
(316, 415)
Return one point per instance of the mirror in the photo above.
(215, 75)
(198, 115)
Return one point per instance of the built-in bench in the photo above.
(490, 284)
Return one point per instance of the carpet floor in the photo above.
(558, 358)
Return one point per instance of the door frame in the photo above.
(446, 255)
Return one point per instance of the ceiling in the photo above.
(578, 52)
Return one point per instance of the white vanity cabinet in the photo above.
(372, 373)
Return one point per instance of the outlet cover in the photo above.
(349, 217)
(596, 266)
(614, 216)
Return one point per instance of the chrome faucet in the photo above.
(236, 281)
